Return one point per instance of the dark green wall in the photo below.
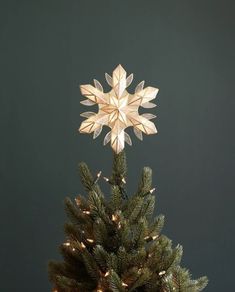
(186, 48)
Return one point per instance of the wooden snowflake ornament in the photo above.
(118, 109)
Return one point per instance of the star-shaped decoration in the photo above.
(118, 109)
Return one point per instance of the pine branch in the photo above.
(86, 176)
(137, 258)
(102, 257)
(172, 258)
(73, 213)
(158, 251)
(116, 199)
(177, 255)
(100, 232)
(97, 207)
(144, 276)
(81, 202)
(134, 209)
(72, 258)
(91, 265)
(139, 233)
(119, 172)
(125, 236)
(199, 284)
(55, 268)
(64, 284)
(123, 259)
(157, 225)
(115, 282)
(72, 231)
(119, 168)
(89, 183)
(145, 182)
(148, 206)
(113, 262)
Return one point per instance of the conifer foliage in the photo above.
(115, 244)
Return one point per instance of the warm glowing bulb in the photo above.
(99, 173)
(124, 284)
(106, 179)
(83, 245)
(114, 217)
(106, 274)
(152, 190)
(154, 237)
(86, 212)
(73, 249)
(90, 240)
(123, 180)
(162, 273)
(146, 237)
(67, 243)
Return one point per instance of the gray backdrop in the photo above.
(48, 47)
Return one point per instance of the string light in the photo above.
(73, 249)
(106, 179)
(124, 180)
(99, 288)
(149, 192)
(97, 177)
(162, 273)
(86, 212)
(106, 274)
(83, 245)
(90, 240)
(124, 284)
(152, 190)
(67, 243)
(114, 217)
(150, 238)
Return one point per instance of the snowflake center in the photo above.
(116, 108)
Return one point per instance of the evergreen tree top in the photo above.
(115, 244)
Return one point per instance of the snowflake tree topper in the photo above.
(118, 109)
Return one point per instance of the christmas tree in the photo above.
(114, 243)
